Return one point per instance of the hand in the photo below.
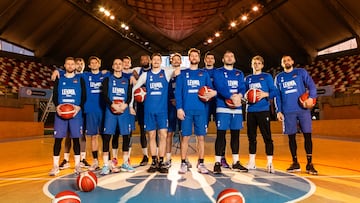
(236, 98)
(55, 74)
(181, 114)
(104, 71)
(123, 106)
(77, 110)
(280, 116)
(116, 108)
(132, 111)
(210, 94)
(309, 103)
(262, 94)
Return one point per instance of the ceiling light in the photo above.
(255, 8)
(209, 41)
(244, 17)
(107, 13)
(217, 34)
(126, 27)
(123, 25)
(233, 24)
(102, 9)
(112, 17)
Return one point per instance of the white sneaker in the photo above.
(54, 171)
(105, 170)
(202, 168)
(270, 168)
(95, 166)
(183, 168)
(251, 166)
(78, 169)
(113, 167)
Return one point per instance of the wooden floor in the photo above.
(25, 164)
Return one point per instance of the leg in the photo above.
(65, 163)
(106, 142)
(251, 123)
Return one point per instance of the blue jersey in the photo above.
(210, 72)
(69, 90)
(117, 88)
(188, 84)
(227, 83)
(127, 75)
(94, 103)
(291, 86)
(157, 88)
(264, 82)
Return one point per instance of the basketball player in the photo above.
(155, 108)
(117, 87)
(68, 89)
(229, 83)
(292, 83)
(209, 61)
(258, 114)
(191, 110)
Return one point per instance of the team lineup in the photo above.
(106, 103)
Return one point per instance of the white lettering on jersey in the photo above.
(255, 85)
(233, 83)
(289, 84)
(95, 85)
(156, 85)
(68, 92)
(193, 83)
(118, 90)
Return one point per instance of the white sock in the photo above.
(82, 155)
(252, 158)
(168, 156)
(105, 159)
(269, 159)
(126, 159)
(235, 158)
(115, 153)
(157, 151)
(217, 158)
(77, 160)
(145, 151)
(56, 160)
(66, 156)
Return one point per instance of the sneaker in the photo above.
(163, 168)
(54, 171)
(251, 165)
(113, 168)
(84, 164)
(64, 165)
(217, 167)
(153, 167)
(224, 164)
(78, 169)
(294, 167)
(238, 167)
(202, 168)
(127, 168)
(270, 168)
(144, 161)
(105, 170)
(168, 164)
(114, 162)
(188, 164)
(311, 170)
(183, 168)
(95, 166)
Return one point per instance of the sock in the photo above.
(115, 153)
(183, 161)
(106, 159)
(66, 156)
(77, 160)
(269, 159)
(309, 158)
(95, 154)
(82, 155)
(125, 159)
(56, 160)
(168, 156)
(235, 158)
(217, 158)
(252, 158)
(145, 151)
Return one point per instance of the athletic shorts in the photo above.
(155, 121)
(122, 121)
(226, 121)
(172, 116)
(199, 119)
(74, 125)
(292, 119)
(94, 123)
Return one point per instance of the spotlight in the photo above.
(217, 34)
(112, 17)
(255, 8)
(107, 13)
(126, 28)
(102, 9)
(209, 41)
(233, 24)
(123, 25)
(244, 17)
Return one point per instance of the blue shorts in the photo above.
(226, 121)
(94, 123)
(75, 126)
(155, 121)
(198, 118)
(291, 119)
(172, 116)
(122, 121)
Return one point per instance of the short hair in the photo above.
(69, 58)
(176, 54)
(209, 53)
(259, 58)
(193, 50)
(227, 52)
(127, 57)
(94, 58)
(79, 59)
(286, 56)
(155, 54)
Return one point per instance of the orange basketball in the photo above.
(230, 195)
(117, 101)
(304, 103)
(251, 97)
(230, 103)
(67, 111)
(140, 94)
(202, 91)
(86, 181)
(66, 196)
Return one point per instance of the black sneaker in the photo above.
(84, 164)
(238, 167)
(153, 167)
(294, 167)
(144, 161)
(310, 169)
(163, 168)
(64, 165)
(217, 167)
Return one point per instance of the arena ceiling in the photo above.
(59, 28)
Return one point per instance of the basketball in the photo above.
(117, 101)
(140, 94)
(67, 111)
(86, 181)
(66, 196)
(304, 103)
(230, 103)
(202, 91)
(251, 97)
(230, 195)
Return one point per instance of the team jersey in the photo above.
(69, 90)
(226, 83)
(210, 72)
(117, 88)
(188, 84)
(127, 73)
(291, 86)
(94, 103)
(264, 82)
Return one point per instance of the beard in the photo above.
(194, 62)
(229, 64)
(288, 66)
(145, 66)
